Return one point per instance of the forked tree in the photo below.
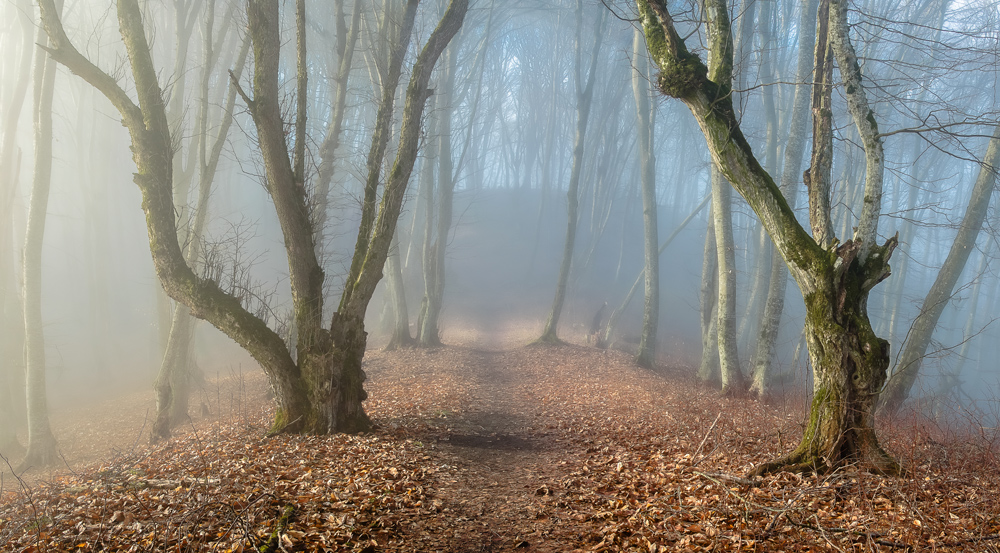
(835, 277)
(319, 389)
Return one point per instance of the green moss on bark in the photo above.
(680, 78)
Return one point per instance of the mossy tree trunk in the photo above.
(849, 360)
(320, 389)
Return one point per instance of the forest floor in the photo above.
(494, 446)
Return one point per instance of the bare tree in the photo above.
(320, 388)
(42, 447)
(919, 338)
(11, 309)
(584, 96)
(835, 278)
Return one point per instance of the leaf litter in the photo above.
(563, 448)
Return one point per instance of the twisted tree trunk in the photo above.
(849, 360)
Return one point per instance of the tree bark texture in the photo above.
(849, 360)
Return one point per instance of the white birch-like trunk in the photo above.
(42, 447)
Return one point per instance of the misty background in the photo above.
(934, 68)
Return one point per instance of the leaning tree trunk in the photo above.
(42, 448)
(849, 360)
(940, 294)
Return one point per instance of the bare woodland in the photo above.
(545, 238)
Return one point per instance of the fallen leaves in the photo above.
(538, 449)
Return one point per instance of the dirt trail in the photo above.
(493, 423)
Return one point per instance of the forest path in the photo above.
(510, 430)
(493, 446)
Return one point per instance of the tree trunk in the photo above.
(11, 309)
(848, 359)
(42, 447)
(400, 336)
(763, 358)
(850, 364)
(321, 389)
(428, 333)
(584, 95)
(911, 358)
(647, 171)
(708, 369)
(733, 381)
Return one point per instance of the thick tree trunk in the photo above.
(323, 391)
(42, 448)
(940, 294)
(850, 364)
(848, 359)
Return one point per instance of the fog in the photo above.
(930, 68)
